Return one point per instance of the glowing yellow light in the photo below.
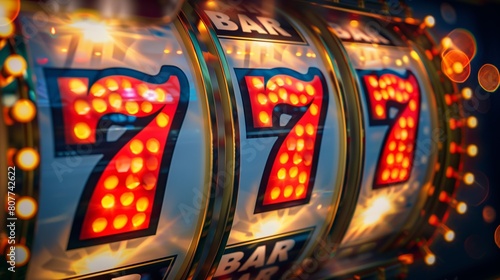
(97, 90)
(22, 255)
(283, 93)
(132, 107)
(377, 210)
(111, 84)
(127, 198)
(354, 23)
(299, 191)
(137, 164)
(162, 119)
(288, 191)
(284, 158)
(179, 52)
(167, 51)
(446, 42)
(469, 178)
(153, 145)
(115, 100)
(273, 97)
(406, 59)
(6, 30)
(275, 193)
(314, 109)
(449, 235)
(27, 159)
(458, 67)
(142, 204)
(302, 177)
(379, 110)
(281, 173)
(262, 98)
(99, 224)
(23, 110)
(108, 201)
(461, 208)
(264, 117)
(429, 21)
(472, 150)
(93, 31)
(82, 130)
(472, 122)
(146, 107)
(26, 207)
(267, 228)
(298, 54)
(136, 146)
(138, 219)
(132, 182)
(81, 107)
(293, 172)
(310, 90)
(52, 31)
(99, 105)
(15, 65)
(111, 182)
(399, 62)
(120, 221)
(414, 55)
(98, 262)
(466, 93)
(309, 129)
(430, 259)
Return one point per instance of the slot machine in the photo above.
(224, 140)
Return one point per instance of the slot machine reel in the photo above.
(120, 112)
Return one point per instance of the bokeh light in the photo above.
(497, 236)
(456, 66)
(9, 9)
(462, 40)
(26, 208)
(488, 77)
(27, 159)
(489, 214)
(23, 110)
(448, 13)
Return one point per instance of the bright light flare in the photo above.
(449, 235)
(27, 159)
(377, 210)
(23, 110)
(22, 254)
(430, 259)
(429, 21)
(26, 208)
(461, 208)
(267, 228)
(15, 65)
(98, 262)
(93, 31)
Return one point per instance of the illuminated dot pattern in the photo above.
(396, 157)
(291, 166)
(122, 200)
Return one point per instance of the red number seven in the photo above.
(123, 195)
(387, 90)
(292, 106)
